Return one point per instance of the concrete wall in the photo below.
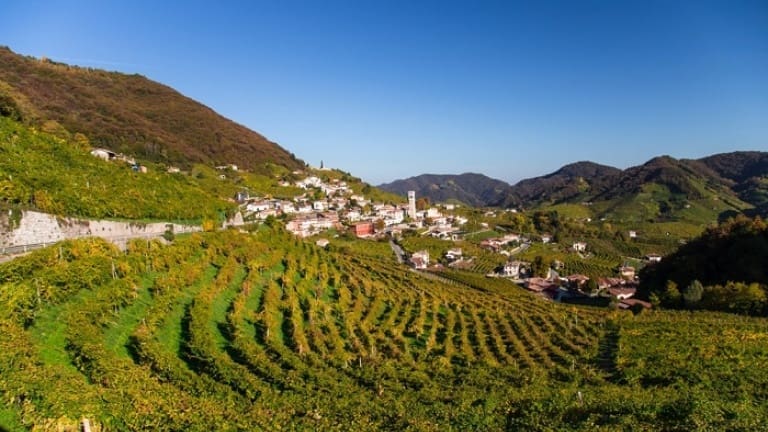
(41, 228)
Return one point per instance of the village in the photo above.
(333, 205)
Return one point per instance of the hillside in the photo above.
(473, 189)
(725, 260)
(749, 171)
(234, 331)
(129, 114)
(42, 172)
(572, 183)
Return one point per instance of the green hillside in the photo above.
(41, 171)
(53, 175)
(231, 331)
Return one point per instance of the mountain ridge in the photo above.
(742, 173)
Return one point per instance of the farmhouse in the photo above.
(420, 259)
(363, 229)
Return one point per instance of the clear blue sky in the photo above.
(389, 89)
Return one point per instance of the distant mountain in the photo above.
(749, 171)
(697, 192)
(574, 182)
(688, 178)
(472, 189)
(129, 114)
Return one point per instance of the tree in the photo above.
(591, 286)
(671, 296)
(540, 266)
(692, 294)
(422, 203)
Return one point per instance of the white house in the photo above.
(258, 206)
(320, 205)
(420, 259)
(653, 257)
(103, 154)
(453, 254)
(511, 269)
(579, 246)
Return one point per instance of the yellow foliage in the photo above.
(208, 225)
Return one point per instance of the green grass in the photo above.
(170, 333)
(49, 331)
(117, 335)
(221, 306)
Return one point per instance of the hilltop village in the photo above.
(332, 207)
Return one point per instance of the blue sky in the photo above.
(390, 89)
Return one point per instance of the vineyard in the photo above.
(262, 331)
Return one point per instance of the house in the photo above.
(433, 213)
(538, 285)
(322, 242)
(264, 214)
(632, 234)
(258, 206)
(577, 280)
(105, 154)
(420, 259)
(320, 205)
(286, 207)
(363, 229)
(173, 170)
(627, 272)
(453, 254)
(604, 283)
(630, 303)
(512, 269)
(460, 220)
(353, 215)
(546, 238)
(579, 246)
(309, 182)
(510, 238)
(305, 226)
(622, 293)
(653, 258)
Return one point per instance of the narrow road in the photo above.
(399, 253)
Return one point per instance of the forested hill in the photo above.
(129, 114)
(576, 181)
(469, 188)
(723, 269)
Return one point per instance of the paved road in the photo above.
(399, 253)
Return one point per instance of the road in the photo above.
(399, 253)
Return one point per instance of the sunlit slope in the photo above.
(231, 331)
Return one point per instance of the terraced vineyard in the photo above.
(231, 331)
